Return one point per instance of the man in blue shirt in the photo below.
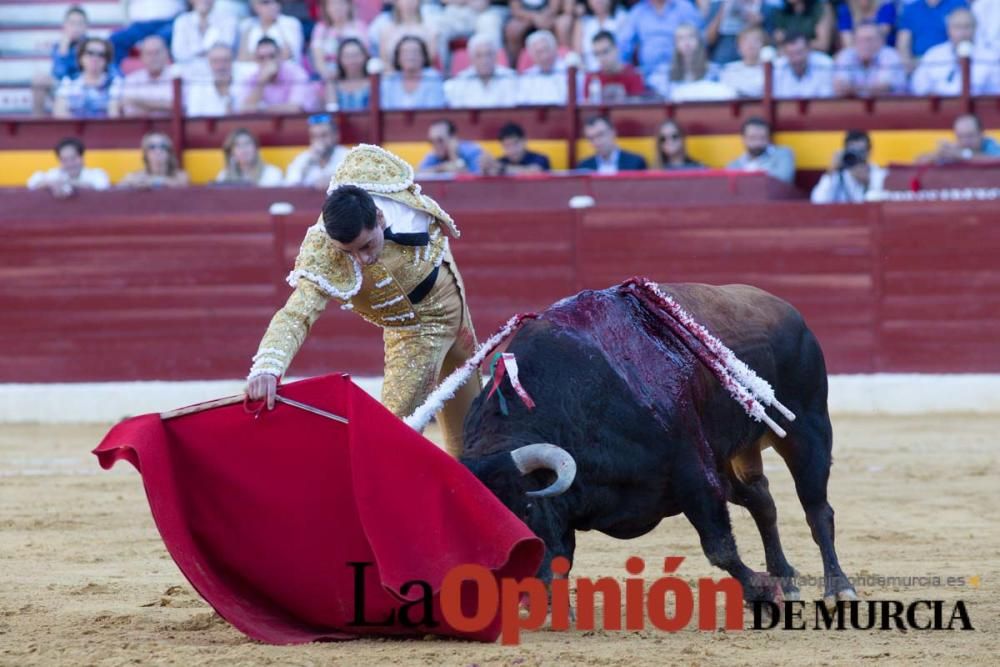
(516, 158)
(649, 28)
(65, 62)
(448, 154)
(971, 144)
(922, 26)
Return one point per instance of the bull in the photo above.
(630, 427)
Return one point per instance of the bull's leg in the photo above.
(706, 509)
(749, 488)
(808, 452)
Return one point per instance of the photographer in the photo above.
(852, 178)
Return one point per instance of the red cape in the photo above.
(263, 515)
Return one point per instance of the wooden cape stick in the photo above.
(239, 398)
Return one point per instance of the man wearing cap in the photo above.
(380, 248)
(315, 167)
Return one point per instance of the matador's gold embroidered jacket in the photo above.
(377, 292)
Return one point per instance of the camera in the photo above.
(851, 159)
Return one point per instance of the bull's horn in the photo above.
(550, 457)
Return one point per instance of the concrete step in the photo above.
(15, 101)
(36, 41)
(19, 70)
(51, 13)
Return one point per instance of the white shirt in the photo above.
(816, 82)
(202, 98)
(286, 31)
(154, 10)
(302, 172)
(940, 73)
(140, 85)
(402, 219)
(270, 177)
(466, 89)
(188, 42)
(537, 87)
(841, 187)
(746, 80)
(987, 13)
(95, 178)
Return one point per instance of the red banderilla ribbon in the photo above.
(505, 363)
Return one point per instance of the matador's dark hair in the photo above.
(346, 211)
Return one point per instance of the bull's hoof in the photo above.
(830, 600)
(764, 588)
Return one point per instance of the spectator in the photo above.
(801, 73)
(614, 81)
(96, 92)
(810, 18)
(545, 81)
(970, 144)
(283, 30)
(65, 59)
(648, 31)
(150, 90)
(608, 158)
(353, 88)
(940, 71)
(314, 168)
(600, 16)
(868, 68)
(987, 13)
(527, 16)
(853, 14)
(761, 154)
(197, 31)
(337, 23)
(450, 155)
(671, 151)
(516, 158)
(407, 20)
(462, 19)
(413, 83)
(278, 86)
(145, 18)
(484, 83)
(212, 88)
(243, 163)
(70, 175)
(690, 75)
(852, 176)
(746, 75)
(922, 26)
(726, 20)
(160, 165)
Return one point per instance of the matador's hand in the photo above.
(263, 387)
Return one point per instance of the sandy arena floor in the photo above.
(85, 579)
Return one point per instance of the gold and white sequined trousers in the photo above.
(417, 358)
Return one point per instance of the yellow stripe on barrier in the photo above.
(813, 150)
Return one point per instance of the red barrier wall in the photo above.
(180, 285)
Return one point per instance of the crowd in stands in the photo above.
(275, 56)
(851, 178)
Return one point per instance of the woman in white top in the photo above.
(690, 69)
(243, 163)
(198, 30)
(270, 22)
(600, 15)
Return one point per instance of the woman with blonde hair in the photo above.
(161, 167)
(690, 75)
(243, 163)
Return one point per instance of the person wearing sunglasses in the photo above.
(671, 152)
(161, 168)
(96, 92)
(314, 168)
